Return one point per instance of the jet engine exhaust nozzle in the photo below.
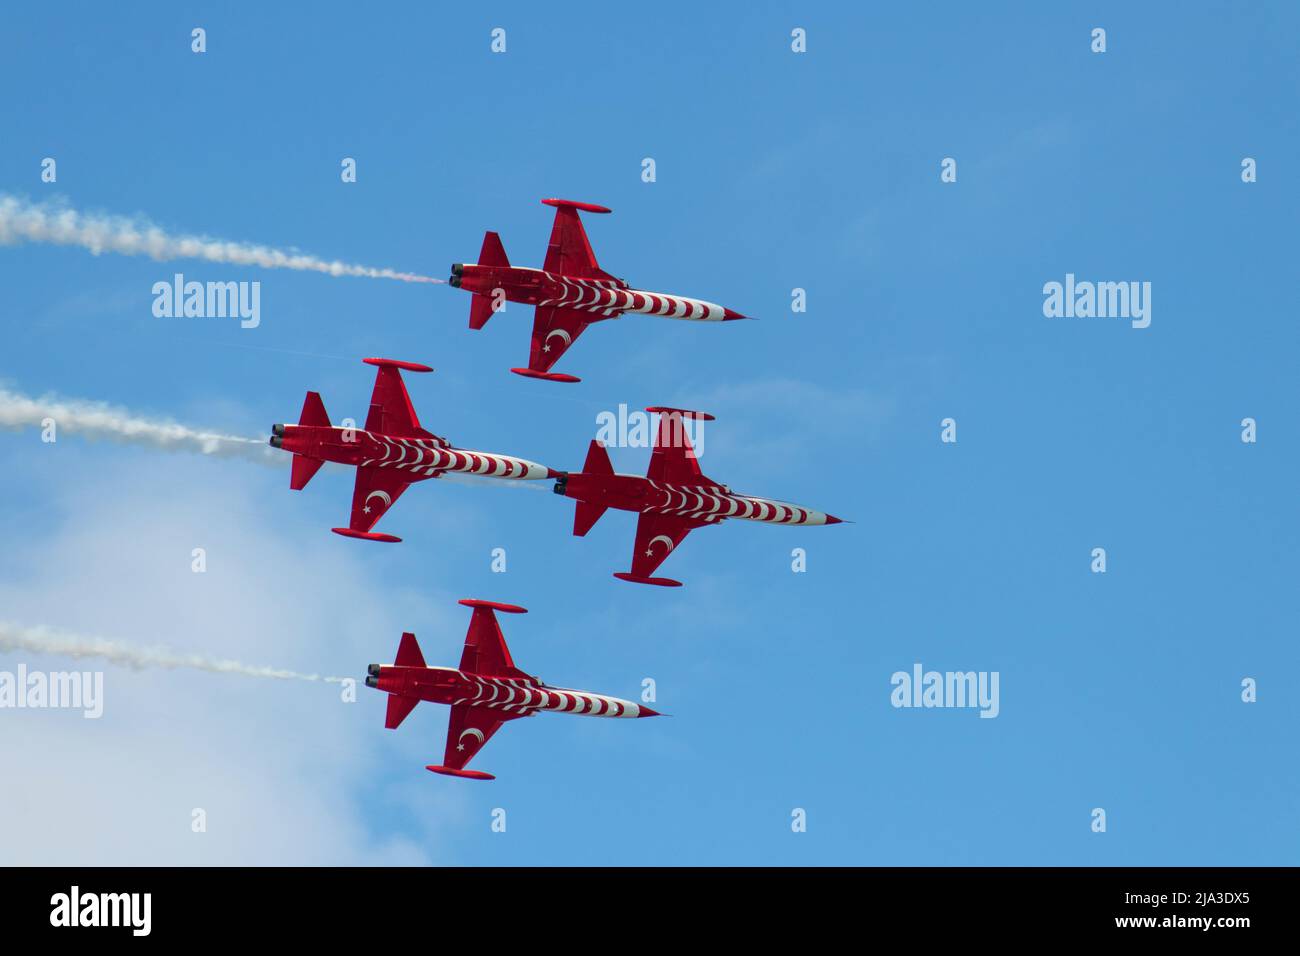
(372, 681)
(373, 670)
(561, 483)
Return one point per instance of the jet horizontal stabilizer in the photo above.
(398, 709)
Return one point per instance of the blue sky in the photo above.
(775, 170)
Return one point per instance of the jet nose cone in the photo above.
(831, 519)
(728, 315)
(644, 711)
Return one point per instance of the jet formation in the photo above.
(674, 497)
(393, 451)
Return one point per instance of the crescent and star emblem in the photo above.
(650, 546)
(568, 339)
(469, 731)
(381, 495)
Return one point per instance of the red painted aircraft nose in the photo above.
(728, 315)
(831, 519)
(644, 711)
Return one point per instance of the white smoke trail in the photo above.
(44, 640)
(98, 420)
(22, 221)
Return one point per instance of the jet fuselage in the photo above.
(605, 298)
(417, 458)
(520, 696)
(705, 501)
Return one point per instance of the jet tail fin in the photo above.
(597, 462)
(408, 652)
(398, 708)
(304, 468)
(480, 310)
(586, 516)
(408, 655)
(493, 252)
(313, 411)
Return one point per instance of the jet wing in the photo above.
(673, 459)
(486, 653)
(569, 251)
(468, 730)
(554, 330)
(376, 490)
(391, 411)
(657, 536)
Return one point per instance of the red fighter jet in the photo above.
(390, 453)
(484, 692)
(571, 291)
(673, 498)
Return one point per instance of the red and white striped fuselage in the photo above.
(517, 696)
(416, 458)
(604, 298)
(708, 503)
